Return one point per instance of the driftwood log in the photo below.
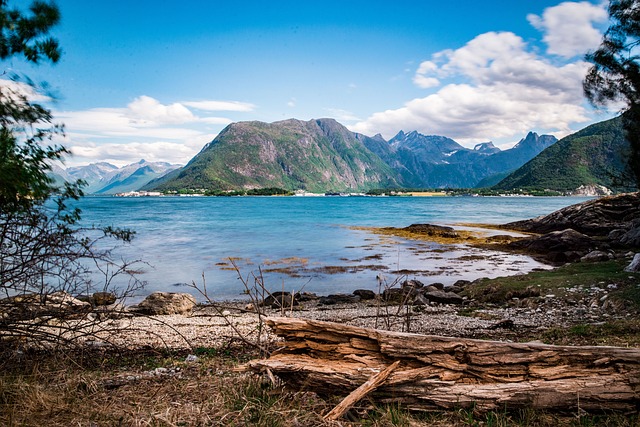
(438, 373)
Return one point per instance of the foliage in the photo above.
(43, 249)
(615, 74)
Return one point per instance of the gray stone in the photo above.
(160, 303)
(596, 256)
(634, 266)
(442, 297)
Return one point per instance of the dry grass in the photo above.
(155, 389)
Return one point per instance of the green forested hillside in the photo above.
(595, 155)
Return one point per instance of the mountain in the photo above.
(430, 161)
(105, 178)
(594, 156)
(316, 155)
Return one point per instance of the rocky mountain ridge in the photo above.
(322, 155)
(105, 178)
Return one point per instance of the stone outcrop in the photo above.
(598, 217)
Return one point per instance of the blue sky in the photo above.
(159, 79)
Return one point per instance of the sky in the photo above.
(157, 80)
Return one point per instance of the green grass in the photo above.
(559, 280)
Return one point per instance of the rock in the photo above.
(437, 285)
(393, 296)
(29, 306)
(103, 298)
(634, 266)
(558, 246)
(338, 299)
(412, 284)
(365, 294)
(159, 303)
(281, 299)
(442, 297)
(420, 300)
(432, 230)
(503, 324)
(462, 283)
(597, 217)
(596, 256)
(632, 236)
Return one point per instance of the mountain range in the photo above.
(323, 155)
(105, 178)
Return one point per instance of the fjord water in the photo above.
(293, 239)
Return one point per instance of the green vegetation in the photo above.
(596, 155)
(560, 281)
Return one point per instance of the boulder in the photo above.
(338, 299)
(364, 294)
(281, 299)
(632, 237)
(596, 256)
(442, 297)
(634, 267)
(99, 299)
(159, 303)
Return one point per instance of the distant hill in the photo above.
(316, 155)
(105, 178)
(595, 155)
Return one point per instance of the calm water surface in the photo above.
(294, 239)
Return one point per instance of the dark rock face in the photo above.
(558, 246)
(574, 232)
(597, 217)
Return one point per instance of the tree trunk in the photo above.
(448, 373)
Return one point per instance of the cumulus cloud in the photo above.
(145, 128)
(569, 27)
(497, 86)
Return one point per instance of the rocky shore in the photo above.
(599, 238)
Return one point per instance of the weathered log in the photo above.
(447, 373)
(372, 383)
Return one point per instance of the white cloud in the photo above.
(145, 128)
(15, 89)
(569, 27)
(291, 103)
(495, 87)
(342, 115)
(220, 105)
